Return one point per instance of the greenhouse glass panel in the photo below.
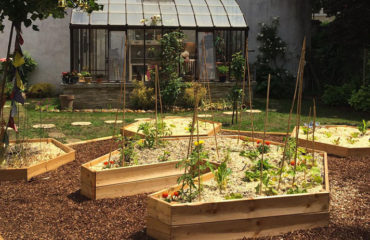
(121, 8)
(214, 3)
(237, 21)
(134, 8)
(184, 9)
(116, 55)
(151, 8)
(79, 17)
(133, 1)
(187, 20)
(233, 10)
(149, 22)
(134, 19)
(229, 3)
(220, 21)
(206, 71)
(170, 20)
(182, 2)
(198, 10)
(168, 9)
(198, 2)
(217, 10)
(204, 20)
(117, 19)
(99, 18)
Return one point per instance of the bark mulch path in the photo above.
(50, 206)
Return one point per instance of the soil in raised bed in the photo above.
(50, 207)
(27, 154)
(348, 137)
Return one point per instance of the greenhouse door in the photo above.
(205, 41)
(116, 55)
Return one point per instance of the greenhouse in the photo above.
(134, 28)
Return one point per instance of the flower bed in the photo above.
(237, 211)
(150, 170)
(177, 127)
(338, 140)
(42, 155)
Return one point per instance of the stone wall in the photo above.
(106, 95)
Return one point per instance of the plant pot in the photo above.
(99, 80)
(88, 79)
(81, 79)
(222, 78)
(73, 79)
(66, 101)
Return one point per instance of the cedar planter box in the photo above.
(217, 128)
(27, 173)
(236, 219)
(332, 148)
(127, 181)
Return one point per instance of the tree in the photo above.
(26, 12)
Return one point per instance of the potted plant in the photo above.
(87, 76)
(70, 77)
(222, 72)
(99, 78)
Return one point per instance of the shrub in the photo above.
(337, 95)
(189, 98)
(171, 91)
(141, 96)
(360, 100)
(41, 90)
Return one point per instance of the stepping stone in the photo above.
(253, 111)
(227, 113)
(113, 121)
(81, 123)
(142, 119)
(273, 110)
(73, 140)
(45, 126)
(204, 115)
(56, 135)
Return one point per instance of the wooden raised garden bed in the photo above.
(327, 144)
(127, 181)
(27, 173)
(238, 218)
(205, 126)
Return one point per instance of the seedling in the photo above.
(328, 134)
(363, 128)
(350, 140)
(164, 157)
(336, 141)
(222, 175)
(232, 196)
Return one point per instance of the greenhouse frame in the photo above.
(98, 40)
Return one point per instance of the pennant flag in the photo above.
(11, 124)
(17, 95)
(19, 81)
(18, 59)
(14, 110)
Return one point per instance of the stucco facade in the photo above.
(50, 47)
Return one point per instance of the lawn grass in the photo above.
(277, 121)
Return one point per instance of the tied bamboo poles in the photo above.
(124, 103)
(313, 130)
(264, 132)
(298, 123)
(122, 94)
(300, 69)
(209, 94)
(243, 88)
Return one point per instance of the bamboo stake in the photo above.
(123, 78)
(298, 119)
(300, 69)
(210, 97)
(156, 104)
(250, 92)
(309, 120)
(264, 131)
(243, 91)
(122, 86)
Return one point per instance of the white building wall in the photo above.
(50, 47)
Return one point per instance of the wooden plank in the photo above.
(249, 208)
(248, 228)
(157, 229)
(88, 185)
(326, 169)
(137, 173)
(90, 141)
(158, 210)
(256, 132)
(133, 188)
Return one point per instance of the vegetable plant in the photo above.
(233, 196)
(221, 176)
(164, 157)
(363, 128)
(150, 132)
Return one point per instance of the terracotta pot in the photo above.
(66, 101)
(88, 79)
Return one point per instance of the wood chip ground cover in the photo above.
(50, 207)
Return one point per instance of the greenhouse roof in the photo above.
(173, 13)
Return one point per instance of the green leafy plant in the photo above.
(350, 140)
(328, 134)
(151, 132)
(232, 196)
(363, 127)
(142, 97)
(355, 134)
(296, 190)
(251, 154)
(128, 154)
(237, 66)
(336, 141)
(41, 90)
(164, 157)
(222, 69)
(263, 148)
(337, 95)
(195, 164)
(360, 100)
(86, 74)
(221, 175)
(189, 94)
